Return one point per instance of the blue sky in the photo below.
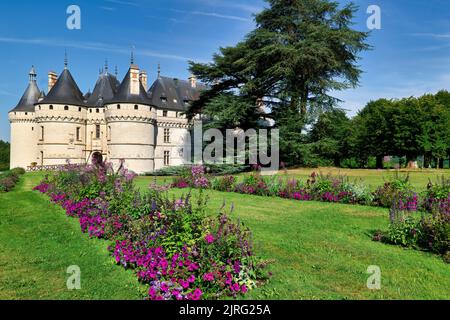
(411, 54)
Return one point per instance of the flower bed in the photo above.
(430, 231)
(173, 245)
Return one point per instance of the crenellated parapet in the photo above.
(21, 117)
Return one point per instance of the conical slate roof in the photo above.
(176, 93)
(104, 91)
(123, 94)
(30, 97)
(65, 91)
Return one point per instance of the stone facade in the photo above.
(117, 121)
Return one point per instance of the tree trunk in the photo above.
(441, 163)
(411, 162)
(337, 162)
(380, 162)
(427, 160)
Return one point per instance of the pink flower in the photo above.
(164, 287)
(244, 288)
(191, 279)
(209, 238)
(208, 277)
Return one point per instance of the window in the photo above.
(79, 109)
(136, 107)
(26, 113)
(42, 133)
(78, 133)
(66, 108)
(164, 113)
(42, 158)
(32, 128)
(97, 131)
(109, 132)
(90, 110)
(97, 110)
(166, 135)
(51, 107)
(166, 158)
(118, 107)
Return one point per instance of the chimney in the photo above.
(193, 81)
(143, 78)
(134, 80)
(52, 78)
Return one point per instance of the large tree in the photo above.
(300, 52)
(372, 131)
(329, 136)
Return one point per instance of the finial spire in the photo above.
(116, 71)
(132, 54)
(32, 74)
(106, 65)
(66, 61)
(159, 70)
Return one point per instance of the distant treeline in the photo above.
(407, 130)
(4, 155)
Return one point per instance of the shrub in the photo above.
(18, 171)
(225, 183)
(398, 190)
(9, 179)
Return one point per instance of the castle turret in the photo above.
(130, 122)
(60, 118)
(23, 126)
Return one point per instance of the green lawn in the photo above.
(37, 244)
(321, 251)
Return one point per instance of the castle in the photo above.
(118, 120)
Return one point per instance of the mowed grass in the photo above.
(320, 251)
(419, 178)
(37, 245)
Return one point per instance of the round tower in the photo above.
(24, 151)
(60, 119)
(130, 120)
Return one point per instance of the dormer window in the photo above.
(66, 108)
(163, 98)
(164, 113)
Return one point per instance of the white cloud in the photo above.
(215, 15)
(95, 46)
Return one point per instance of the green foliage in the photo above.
(9, 179)
(4, 155)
